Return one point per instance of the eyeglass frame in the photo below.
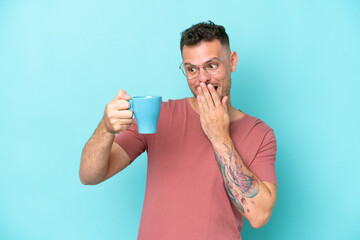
(201, 66)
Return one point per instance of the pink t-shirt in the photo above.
(185, 197)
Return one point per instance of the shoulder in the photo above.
(251, 131)
(256, 124)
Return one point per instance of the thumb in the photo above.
(122, 95)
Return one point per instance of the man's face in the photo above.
(204, 53)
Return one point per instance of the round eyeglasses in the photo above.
(212, 67)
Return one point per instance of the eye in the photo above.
(191, 69)
(213, 65)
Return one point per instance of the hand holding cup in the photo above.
(117, 116)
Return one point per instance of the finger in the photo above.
(202, 99)
(121, 104)
(224, 102)
(198, 98)
(200, 105)
(207, 96)
(125, 121)
(120, 121)
(214, 95)
(119, 114)
(124, 114)
(122, 95)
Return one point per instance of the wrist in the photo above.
(221, 141)
(104, 131)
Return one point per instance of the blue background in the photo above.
(62, 61)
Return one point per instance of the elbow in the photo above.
(260, 220)
(258, 224)
(85, 181)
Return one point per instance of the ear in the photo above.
(233, 61)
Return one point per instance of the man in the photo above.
(209, 164)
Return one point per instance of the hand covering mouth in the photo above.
(215, 87)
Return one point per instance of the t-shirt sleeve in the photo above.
(132, 141)
(263, 165)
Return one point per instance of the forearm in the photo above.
(248, 193)
(253, 198)
(95, 156)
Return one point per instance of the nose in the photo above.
(203, 76)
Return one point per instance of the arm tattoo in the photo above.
(238, 183)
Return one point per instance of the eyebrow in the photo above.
(211, 59)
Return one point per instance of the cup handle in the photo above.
(131, 108)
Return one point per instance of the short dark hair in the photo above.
(204, 31)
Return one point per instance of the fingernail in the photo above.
(209, 85)
(199, 89)
(202, 84)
